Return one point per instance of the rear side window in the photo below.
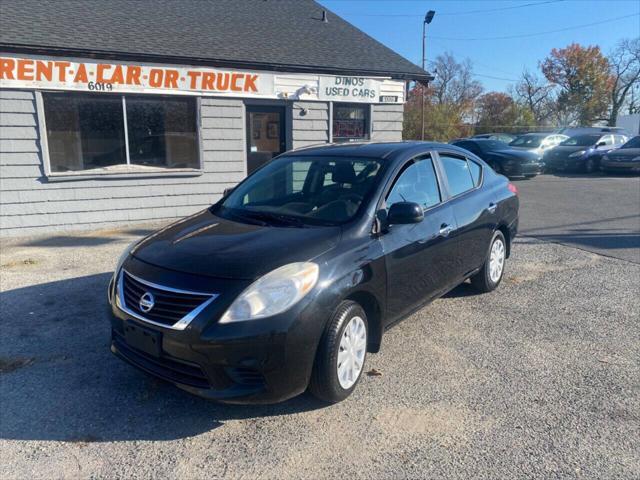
(417, 183)
(458, 174)
(475, 170)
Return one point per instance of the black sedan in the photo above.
(624, 159)
(582, 152)
(292, 277)
(502, 158)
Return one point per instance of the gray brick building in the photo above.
(129, 111)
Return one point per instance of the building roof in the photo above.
(284, 35)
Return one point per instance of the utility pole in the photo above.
(427, 20)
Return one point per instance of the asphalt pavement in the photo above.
(599, 213)
(539, 379)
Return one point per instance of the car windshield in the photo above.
(633, 143)
(581, 141)
(299, 191)
(492, 145)
(532, 141)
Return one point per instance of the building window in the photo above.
(97, 131)
(350, 122)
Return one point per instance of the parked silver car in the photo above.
(538, 142)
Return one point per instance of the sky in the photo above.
(467, 28)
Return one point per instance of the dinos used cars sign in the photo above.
(349, 89)
(68, 74)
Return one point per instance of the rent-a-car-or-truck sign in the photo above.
(60, 73)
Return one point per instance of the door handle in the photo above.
(445, 230)
(492, 207)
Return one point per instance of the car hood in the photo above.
(205, 244)
(624, 153)
(561, 151)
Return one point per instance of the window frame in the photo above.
(367, 122)
(131, 170)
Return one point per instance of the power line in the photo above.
(451, 13)
(494, 78)
(507, 37)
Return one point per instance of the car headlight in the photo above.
(273, 293)
(579, 153)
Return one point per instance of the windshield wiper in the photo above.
(272, 216)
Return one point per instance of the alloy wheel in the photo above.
(496, 260)
(351, 352)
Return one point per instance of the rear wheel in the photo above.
(490, 275)
(341, 355)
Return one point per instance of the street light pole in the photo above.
(427, 20)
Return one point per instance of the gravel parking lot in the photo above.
(540, 378)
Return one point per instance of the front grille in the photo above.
(173, 370)
(169, 306)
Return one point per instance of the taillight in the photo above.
(512, 188)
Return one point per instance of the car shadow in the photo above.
(463, 290)
(84, 240)
(59, 380)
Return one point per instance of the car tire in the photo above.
(590, 165)
(344, 331)
(488, 278)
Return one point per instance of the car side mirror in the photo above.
(601, 144)
(405, 212)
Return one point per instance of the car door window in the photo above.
(416, 183)
(619, 139)
(607, 139)
(458, 174)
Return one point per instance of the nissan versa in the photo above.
(293, 276)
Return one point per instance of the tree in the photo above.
(498, 111)
(624, 63)
(537, 95)
(449, 101)
(582, 74)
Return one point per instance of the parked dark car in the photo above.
(291, 278)
(623, 159)
(582, 152)
(501, 137)
(504, 159)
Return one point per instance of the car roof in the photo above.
(479, 140)
(368, 149)
(538, 134)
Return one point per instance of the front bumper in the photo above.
(566, 164)
(516, 169)
(616, 166)
(262, 361)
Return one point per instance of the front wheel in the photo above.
(490, 275)
(341, 355)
